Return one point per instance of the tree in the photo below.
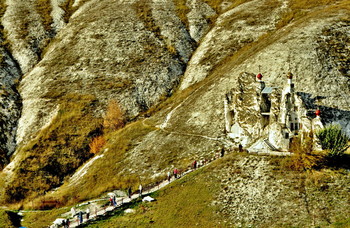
(114, 118)
(334, 140)
(96, 144)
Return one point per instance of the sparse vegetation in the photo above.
(44, 9)
(217, 4)
(182, 11)
(67, 6)
(144, 11)
(300, 8)
(69, 9)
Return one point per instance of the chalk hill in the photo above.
(167, 64)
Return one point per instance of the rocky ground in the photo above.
(256, 192)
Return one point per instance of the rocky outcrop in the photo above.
(198, 18)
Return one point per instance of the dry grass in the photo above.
(300, 8)
(216, 4)
(41, 219)
(303, 157)
(44, 9)
(57, 150)
(105, 173)
(182, 10)
(144, 12)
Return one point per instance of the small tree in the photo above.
(302, 157)
(334, 140)
(114, 118)
(96, 144)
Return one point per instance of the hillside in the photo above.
(230, 193)
(168, 65)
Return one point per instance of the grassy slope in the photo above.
(5, 220)
(41, 219)
(58, 150)
(185, 203)
(104, 175)
(188, 202)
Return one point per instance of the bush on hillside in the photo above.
(114, 118)
(333, 140)
(302, 158)
(97, 144)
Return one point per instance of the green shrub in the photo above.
(333, 140)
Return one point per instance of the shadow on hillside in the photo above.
(15, 218)
(328, 114)
(339, 163)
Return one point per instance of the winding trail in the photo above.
(122, 200)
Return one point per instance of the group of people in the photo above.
(112, 200)
(66, 223)
(79, 215)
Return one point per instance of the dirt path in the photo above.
(122, 200)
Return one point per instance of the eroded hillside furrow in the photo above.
(10, 104)
(131, 52)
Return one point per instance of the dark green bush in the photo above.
(333, 140)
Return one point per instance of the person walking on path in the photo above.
(169, 176)
(110, 201)
(176, 172)
(222, 152)
(140, 189)
(87, 214)
(72, 211)
(129, 193)
(67, 223)
(80, 216)
(194, 164)
(114, 201)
